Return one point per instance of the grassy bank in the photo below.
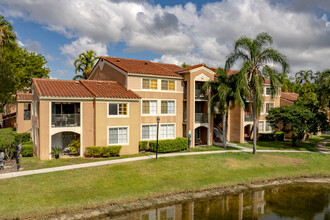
(74, 189)
(309, 145)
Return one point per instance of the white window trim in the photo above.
(265, 91)
(265, 104)
(263, 126)
(158, 80)
(149, 124)
(168, 80)
(159, 136)
(117, 116)
(271, 131)
(157, 107)
(122, 144)
(167, 100)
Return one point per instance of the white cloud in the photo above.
(71, 51)
(181, 32)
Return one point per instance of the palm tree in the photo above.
(226, 91)
(255, 55)
(304, 77)
(7, 35)
(84, 64)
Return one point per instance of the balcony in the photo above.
(201, 118)
(248, 117)
(200, 95)
(65, 120)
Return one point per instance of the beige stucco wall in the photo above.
(103, 122)
(44, 118)
(235, 124)
(103, 71)
(21, 124)
(87, 136)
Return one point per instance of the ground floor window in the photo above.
(261, 126)
(167, 131)
(149, 132)
(268, 127)
(118, 135)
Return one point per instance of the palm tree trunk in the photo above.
(224, 130)
(254, 106)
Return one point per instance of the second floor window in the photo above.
(149, 84)
(168, 107)
(268, 90)
(149, 107)
(168, 85)
(27, 111)
(261, 126)
(269, 105)
(117, 109)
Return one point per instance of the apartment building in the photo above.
(120, 102)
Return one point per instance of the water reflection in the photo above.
(310, 201)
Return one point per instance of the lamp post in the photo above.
(158, 119)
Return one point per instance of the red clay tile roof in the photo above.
(61, 88)
(144, 66)
(24, 96)
(108, 89)
(291, 96)
(82, 89)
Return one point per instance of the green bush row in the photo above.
(99, 151)
(277, 136)
(143, 145)
(8, 140)
(173, 145)
(27, 150)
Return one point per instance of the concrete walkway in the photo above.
(321, 146)
(133, 159)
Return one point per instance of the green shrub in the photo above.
(143, 145)
(99, 151)
(111, 151)
(173, 145)
(74, 146)
(266, 137)
(27, 150)
(7, 142)
(22, 137)
(27, 143)
(279, 136)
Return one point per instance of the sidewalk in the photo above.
(321, 146)
(133, 159)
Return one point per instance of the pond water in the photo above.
(293, 201)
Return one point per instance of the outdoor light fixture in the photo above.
(158, 119)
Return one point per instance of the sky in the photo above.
(193, 31)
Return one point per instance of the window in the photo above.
(168, 85)
(261, 126)
(149, 107)
(117, 136)
(268, 127)
(167, 131)
(269, 105)
(149, 132)
(117, 109)
(149, 84)
(27, 111)
(267, 90)
(167, 107)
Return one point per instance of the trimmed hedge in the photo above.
(172, 145)
(99, 151)
(27, 150)
(22, 137)
(277, 136)
(143, 145)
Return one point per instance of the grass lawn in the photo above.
(75, 189)
(287, 145)
(208, 148)
(32, 163)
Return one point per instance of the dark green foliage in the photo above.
(22, 137)
(165, 146)
(27, 143)
(99, 151)
(143, 145)
(277, 136)
(7, 142)
(27, 150)
(56, 151)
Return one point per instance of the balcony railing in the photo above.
(65, 120)
(201, 118)
(200, 95)
(248, 117)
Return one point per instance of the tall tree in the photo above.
(255, 55)
(226, 92)
(322, 82)
(84, 64)
(7, 35)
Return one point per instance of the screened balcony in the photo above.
(201, 118)
(198, 91)
(65, 114)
